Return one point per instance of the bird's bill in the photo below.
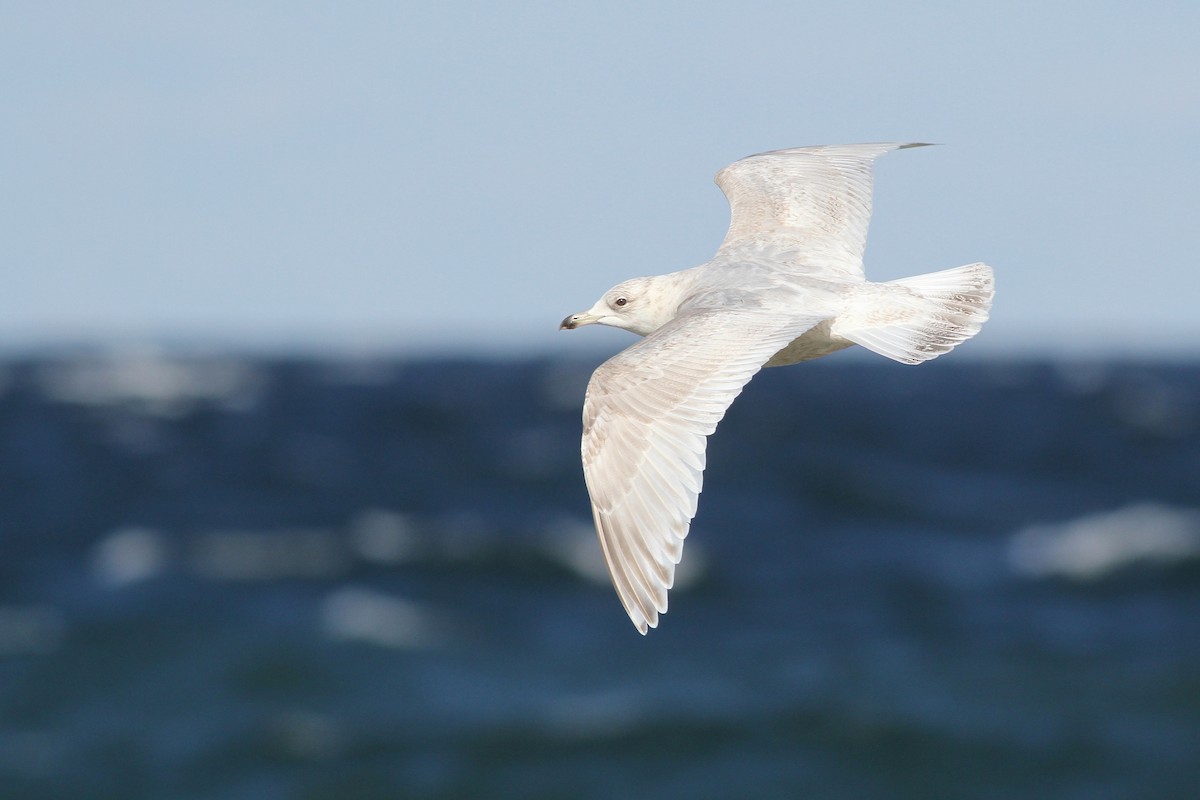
(577, 321)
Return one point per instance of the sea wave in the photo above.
(1096, 545)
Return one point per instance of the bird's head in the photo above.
(640, 305)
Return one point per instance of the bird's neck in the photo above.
(669, 293)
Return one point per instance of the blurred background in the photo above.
(290, 501)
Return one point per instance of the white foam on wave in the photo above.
(367, 615)
(147, 379)
(1094, 546)
(384, 537)
(129, 555)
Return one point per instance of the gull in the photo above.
(786, 285)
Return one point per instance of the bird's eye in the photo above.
(620, 301)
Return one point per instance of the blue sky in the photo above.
(399, 175)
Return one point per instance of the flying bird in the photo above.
(786, 285)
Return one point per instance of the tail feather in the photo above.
(916, 319)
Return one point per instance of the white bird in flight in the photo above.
(786, 285)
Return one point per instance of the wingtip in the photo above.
(878, 147)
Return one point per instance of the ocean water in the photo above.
(225, 577)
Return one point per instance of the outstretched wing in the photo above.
(807, 207)
(646, 417)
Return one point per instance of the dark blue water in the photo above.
(228, 578)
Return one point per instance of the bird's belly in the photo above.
(814, 343)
